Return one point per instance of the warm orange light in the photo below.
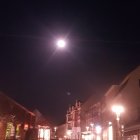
(26, 126)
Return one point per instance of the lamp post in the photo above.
(118, 109)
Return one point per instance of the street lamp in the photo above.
(118, 109)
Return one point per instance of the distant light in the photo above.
(55, 128)
(98, 129)
(69, 132)
(61, 43)
(92, 124)
(26, 126)
(110, 123)
(68, 93)
(65, 136)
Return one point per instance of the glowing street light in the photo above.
(98, 129)
(118, 109)
(55, 128)
(69, 132)
(61, 44)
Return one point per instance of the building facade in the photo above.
(91, 118)
(42, 126)
(99, 122)
(73, 129)
(127, 93)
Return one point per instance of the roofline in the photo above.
(25, 109)
(110, 89)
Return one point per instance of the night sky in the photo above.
(103, 46)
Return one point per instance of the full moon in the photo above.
(61, 43)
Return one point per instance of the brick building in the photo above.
(15, 120)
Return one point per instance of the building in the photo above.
(127, 93)
(73, 129)
(98, 121)
(90, 117)
(15, 120)
(60, 132)
(42, 126)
